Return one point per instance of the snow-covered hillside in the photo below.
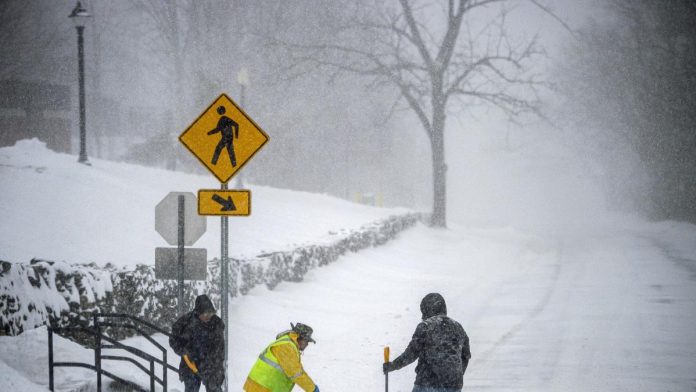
(54, 208)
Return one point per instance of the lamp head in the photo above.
(243, 77)
(79, 15)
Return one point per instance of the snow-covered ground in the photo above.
(56, 209)
(611, 309)
(601, 304)
(605, 310)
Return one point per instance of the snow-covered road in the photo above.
(600, 310)
(618, 316)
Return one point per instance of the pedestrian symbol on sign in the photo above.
(229, 130)
(223, 125)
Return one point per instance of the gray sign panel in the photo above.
(167, 219)
(195, 263)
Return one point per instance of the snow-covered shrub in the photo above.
(44, 290)
(31, 295)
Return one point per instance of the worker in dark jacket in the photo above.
(198, 337)
(441, 347)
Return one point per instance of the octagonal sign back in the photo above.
(223, 138)
(167, 219)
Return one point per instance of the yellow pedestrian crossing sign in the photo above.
(224, 202)
(223, 138)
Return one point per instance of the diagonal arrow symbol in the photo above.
(227, 205)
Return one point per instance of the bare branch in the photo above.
(417, 39)
(447, 46)
(550, 12)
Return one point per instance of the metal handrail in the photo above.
(165, 364)
(136, 319)
(145, 335)
(138, 352)
(95, 330)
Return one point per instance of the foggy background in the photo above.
(613, 130)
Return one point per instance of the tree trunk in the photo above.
(437, 144)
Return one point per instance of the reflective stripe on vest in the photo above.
(267, 371)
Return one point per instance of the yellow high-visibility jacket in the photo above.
(279, 368)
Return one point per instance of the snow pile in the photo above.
(24, 363)
(16, 381)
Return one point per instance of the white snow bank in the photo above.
(13, 380)
(54, 208)
(24, 360)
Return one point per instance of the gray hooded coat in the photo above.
(440, 345)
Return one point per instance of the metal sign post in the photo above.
(224, 279)
(180, 255)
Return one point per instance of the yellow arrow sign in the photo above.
(223, 138)
(224, 202)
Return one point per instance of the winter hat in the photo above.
(203, 305)
(305, 331)
(433, 304)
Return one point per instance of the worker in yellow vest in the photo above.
(278, 367)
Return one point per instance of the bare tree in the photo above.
(185, 37)
(168, 33)
(433, 53)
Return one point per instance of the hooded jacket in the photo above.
(203, 342)
(441, 346)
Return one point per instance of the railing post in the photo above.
(50, 358)
(97, 351)
(165, 370)
(152, 376)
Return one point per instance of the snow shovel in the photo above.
(386, 375)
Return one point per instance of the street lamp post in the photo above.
(80, 16)
(243, 80)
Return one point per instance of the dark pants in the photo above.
(193, 384)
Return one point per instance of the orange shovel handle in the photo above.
(190, 364)
(386, 375)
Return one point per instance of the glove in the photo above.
(316, 388)
(387, 367)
